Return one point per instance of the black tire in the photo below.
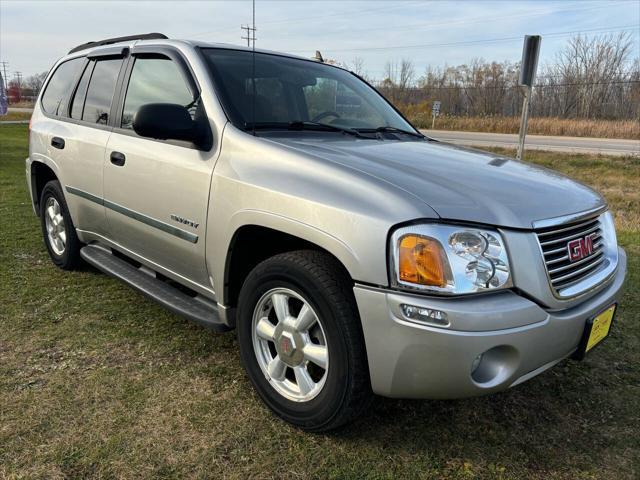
(70, 257)
(322, 281)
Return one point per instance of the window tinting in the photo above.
(60, 85)
(155, 80)
(100, 92)
(77, 103)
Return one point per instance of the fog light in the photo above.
(426, 315)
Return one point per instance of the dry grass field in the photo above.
(96, 381)
(628, 129)
(12, 116)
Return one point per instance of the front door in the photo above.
(157, 192)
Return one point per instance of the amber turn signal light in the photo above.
(420, 261)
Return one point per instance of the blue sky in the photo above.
(34, 34)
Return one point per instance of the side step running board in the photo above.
(170, 297)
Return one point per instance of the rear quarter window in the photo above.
(59, 87)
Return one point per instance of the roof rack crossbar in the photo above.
(109, 41)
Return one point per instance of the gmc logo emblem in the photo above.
(580, 247)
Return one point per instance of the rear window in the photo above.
(62, 81)
(97, 105)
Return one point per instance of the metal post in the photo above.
(523, 122)
(433, 121)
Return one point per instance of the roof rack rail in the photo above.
(109, 41)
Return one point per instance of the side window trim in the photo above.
(119, 93)
(72, 98)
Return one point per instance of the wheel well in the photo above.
(40, 175)
(251, 245)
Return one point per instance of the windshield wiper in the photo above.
(389, 128)
(300, 125)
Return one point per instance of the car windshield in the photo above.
(294, 92)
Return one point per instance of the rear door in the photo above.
(88, 130)
(157, 192)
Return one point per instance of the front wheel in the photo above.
(301, 340)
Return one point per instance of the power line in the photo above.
(575, 7)
(308, 18)
(479, 41)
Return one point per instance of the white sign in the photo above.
(435, 110)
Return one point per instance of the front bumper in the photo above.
(411, 360)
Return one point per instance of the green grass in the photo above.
(96, 381)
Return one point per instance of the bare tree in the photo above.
(357, 66)
(407, 73)
(34, 82)
(589, 68)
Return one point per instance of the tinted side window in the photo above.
(60, 85)
(155, 80)
(100, 92)
(77, 104)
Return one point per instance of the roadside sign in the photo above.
(528, 66)
(435, 109)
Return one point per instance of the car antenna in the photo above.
(253, 68)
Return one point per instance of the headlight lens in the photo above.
(449, 259)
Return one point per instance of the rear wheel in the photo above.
(301, 340)
(57, 227)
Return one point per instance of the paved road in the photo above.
(604, 146)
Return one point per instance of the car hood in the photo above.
(458, 183)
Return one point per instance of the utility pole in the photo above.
(250, 35)
(250, 30)
(19, 78)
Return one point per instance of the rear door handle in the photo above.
(118, 158)
(57, 142)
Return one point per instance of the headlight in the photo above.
(448, 259)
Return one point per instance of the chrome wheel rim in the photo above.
(290, 344)
(54, 223)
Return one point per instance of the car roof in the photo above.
(91, 50)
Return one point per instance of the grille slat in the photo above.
(574, 264)
(565, 229)
(553, 242)
(578, 272)
(571, 236)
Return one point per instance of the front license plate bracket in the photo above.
(597, 328)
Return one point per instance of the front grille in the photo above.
(553, 240)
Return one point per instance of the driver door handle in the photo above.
(118, 158)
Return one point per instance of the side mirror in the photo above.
(165, 121)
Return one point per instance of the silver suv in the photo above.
(287, 199)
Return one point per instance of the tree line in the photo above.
(590, 78)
